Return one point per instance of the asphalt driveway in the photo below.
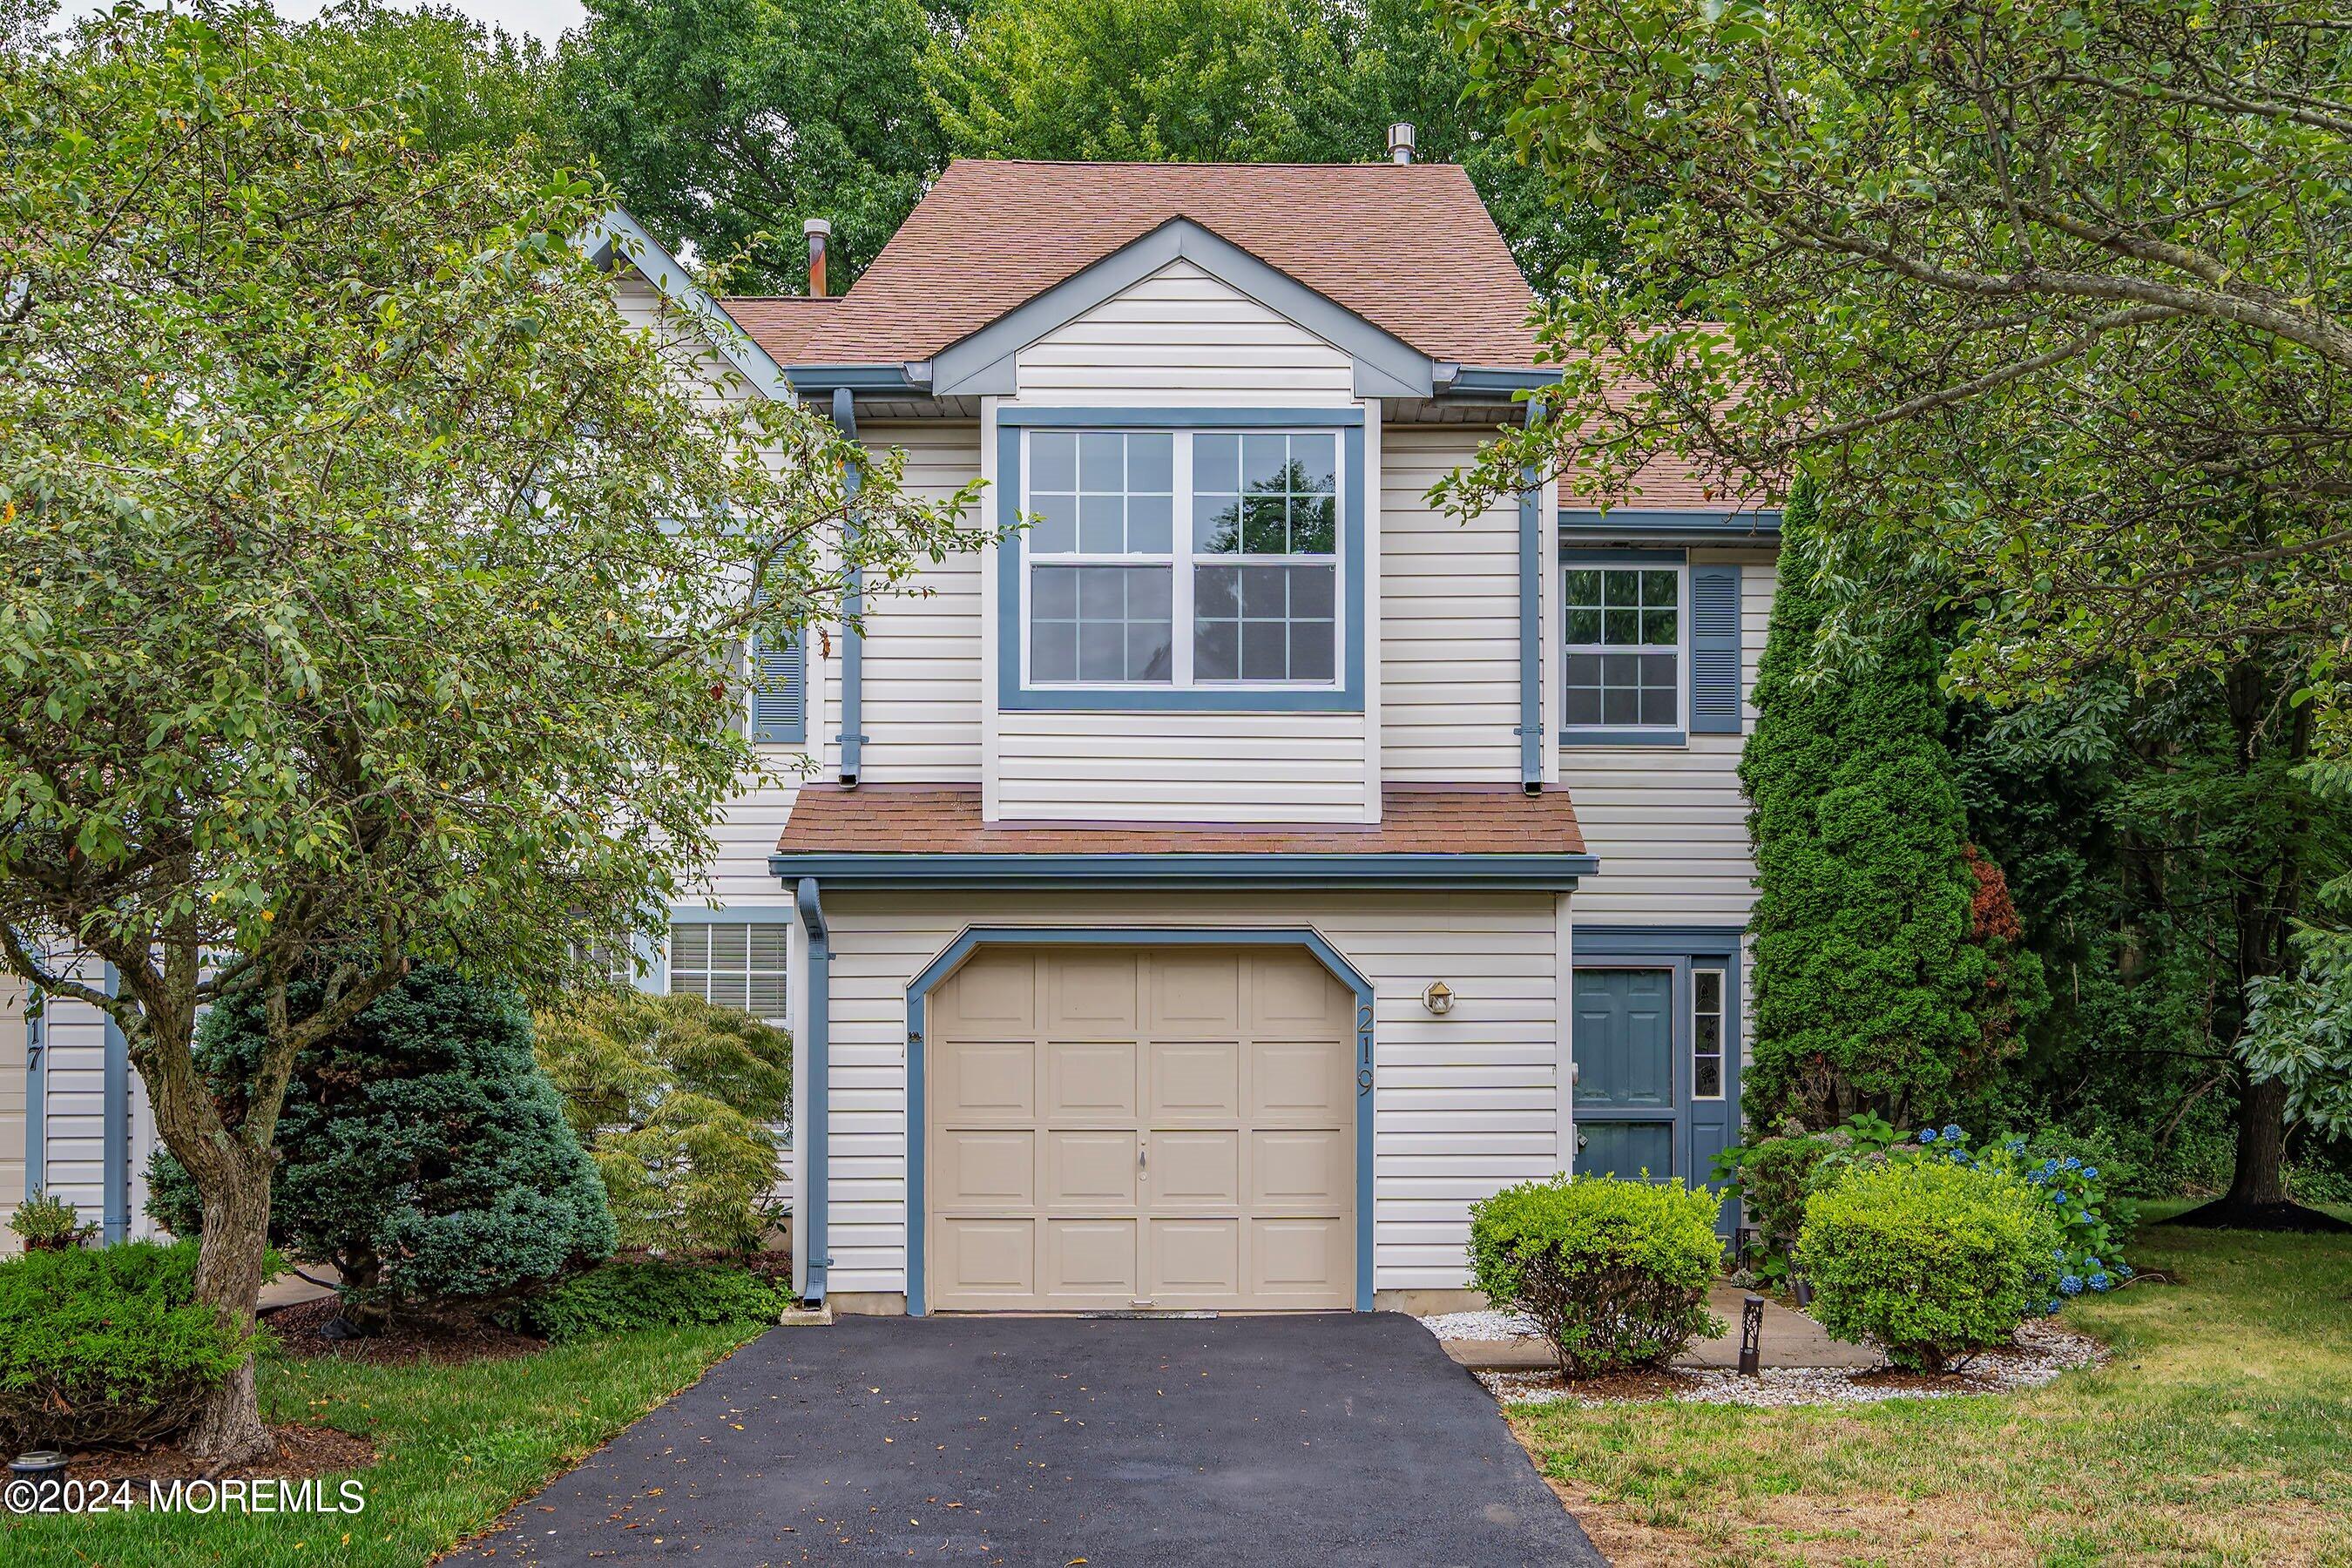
(1266, 1441)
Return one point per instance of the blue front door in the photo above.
(1657, 1059)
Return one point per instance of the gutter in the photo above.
(1531, 726)
(817, 1058)
(853, 642)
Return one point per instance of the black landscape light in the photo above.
(1752, 1336)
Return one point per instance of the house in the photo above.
(1201, 899)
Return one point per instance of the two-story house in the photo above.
(1200, 898)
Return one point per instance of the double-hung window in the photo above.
(1625, 665)
(1182, 560)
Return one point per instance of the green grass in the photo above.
(2218, 1433)
(456, 1445)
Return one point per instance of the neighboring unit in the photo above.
(1202, 894)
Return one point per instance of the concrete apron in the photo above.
(1790, 1339)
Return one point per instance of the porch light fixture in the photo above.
(1438, 998)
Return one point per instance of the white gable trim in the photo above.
(982, 363)
(617, 238)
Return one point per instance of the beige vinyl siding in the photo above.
(685, 342)
(1464, 1104)
(1180, 768)
(1181, 334)
(1449, 620)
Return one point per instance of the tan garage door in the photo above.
(1114, 1129)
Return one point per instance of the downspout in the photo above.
(853, 643)
(1531, 726)
(115, 1178)
(816, 1057)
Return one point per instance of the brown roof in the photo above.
(779, 323)
(1409, 247)
(925, 819)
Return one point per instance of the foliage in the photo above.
(46, 1223)
(1615, 1273)
(420, 1149)
(462, 84)
(673, 1098)
(1872, 982)
(2299, 1033)
(1771, 1176)
(1240, 81)
(334, 615)
(2092, 1224)
(1929, 1259)
(103, 1346)
(2088, 257)
(729, 122)
(619, 1298)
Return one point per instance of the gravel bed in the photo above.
(2043, 1350)
(1481, 1326)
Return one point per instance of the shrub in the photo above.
(1929, 1259)
(673, 1098)
(1771, 1178)
(617, 1298)
(106, 1346)
(49, 1224)
(1613, 1272)
(420, 1151)
(2089, 1252)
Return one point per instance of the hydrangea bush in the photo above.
(2089, 1254)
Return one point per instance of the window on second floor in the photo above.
(1626, 668)
(735, 963)
(1182, 560)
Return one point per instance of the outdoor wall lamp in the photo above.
(1438, 998)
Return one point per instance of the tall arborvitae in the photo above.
(1868, 980)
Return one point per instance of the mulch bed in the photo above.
(302, 1452)
(405, 1340)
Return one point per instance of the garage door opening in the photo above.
(1140, 1130)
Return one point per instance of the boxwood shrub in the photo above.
(104, 1347)
(1926, 1258)
(617, 1298)
(1613, 1272)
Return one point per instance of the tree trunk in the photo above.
(2260, 1177)
(229, 1262)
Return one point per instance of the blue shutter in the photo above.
(1715, 650)
(779, 691)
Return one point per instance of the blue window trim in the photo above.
(36, 1093)
(114, 1178)
(1680, 949)
(1716, 527)
(1348, 697)
(1544, 872)
(1572, 737)
(937, 972)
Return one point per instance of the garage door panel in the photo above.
(986, 1081)
(1091, 996)
(1195, 1082)
(1301, 1262)
(986, 1168)
(1195, 995)
(1090, 1082)
(1300, 1083)
(1090, 1260)
(1300, 1172)
(1193, 1261)
(1194, 1170)
(1292, 994)
(987, 1262)
(995, 995)
(1091, 1168)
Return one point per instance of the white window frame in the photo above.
(1184, 559)
(1681, 568)
(781, 971)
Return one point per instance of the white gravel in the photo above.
(2042, 1350)
(1482, 1326)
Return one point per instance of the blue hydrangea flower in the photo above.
(2094, 1265)
(1926, 1135)
(1953, 1133)
(2101, 1282)
(2124, 1269)
(2049, 1308)
(2072, 1285)
(2058, 1197)
(2073, 1164)
(2090, 1172)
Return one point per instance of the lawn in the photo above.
(456, 1443)
(2218, 1433)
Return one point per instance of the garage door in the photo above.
(1114, 1129)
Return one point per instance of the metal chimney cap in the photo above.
(1400, 141)
(817, 225)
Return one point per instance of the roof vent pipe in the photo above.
(1400, 141)
(818, 231)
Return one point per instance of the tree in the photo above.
(469, 85)
(1240, 81)
(419, 1149)
(1876, 989)
(2053, 296)
(728, 122)
(675, 1099)
(369, 585)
